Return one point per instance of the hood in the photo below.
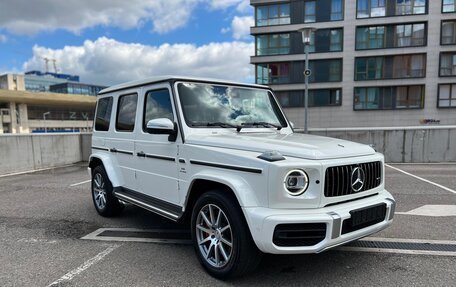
(293, 145)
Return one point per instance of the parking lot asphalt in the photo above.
(43, 216)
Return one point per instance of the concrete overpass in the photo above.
(26, 112)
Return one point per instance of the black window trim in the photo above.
(395, 24)
(423, 96)
(95, 115)
(450, 99)
(391, 55)
(117, 112)
(145, 103)
(389, 16)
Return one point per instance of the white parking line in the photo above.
(79, 183)
(84, 266)
(422, 179)
(96, 236)
(432, 210)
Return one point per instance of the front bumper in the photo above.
(263, 221)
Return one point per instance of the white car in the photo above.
(223, 157)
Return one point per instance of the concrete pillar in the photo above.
(14, 125)
(23, 121)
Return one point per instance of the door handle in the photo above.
(114, 150)
(141, 154)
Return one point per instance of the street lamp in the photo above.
(44, 119)
(306, 38)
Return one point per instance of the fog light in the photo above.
(296, 182)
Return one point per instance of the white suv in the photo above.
(224, 157)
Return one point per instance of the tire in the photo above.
(213, 235)
(103, 198)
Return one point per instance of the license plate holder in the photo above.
(364, 217)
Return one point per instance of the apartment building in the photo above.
(374, 63)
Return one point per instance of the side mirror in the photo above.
(162, 126)
(292, 125)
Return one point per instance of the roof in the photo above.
(24, 97)
(166, 78)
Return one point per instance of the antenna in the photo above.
(54, 63)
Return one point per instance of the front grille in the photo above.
(338, 179)
(300, 234)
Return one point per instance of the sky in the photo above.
(107, 42)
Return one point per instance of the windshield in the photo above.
(207, 105)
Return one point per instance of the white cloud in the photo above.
(242, 6)
(3, 39)
(107, 61)
(241, 27)
(31, 17)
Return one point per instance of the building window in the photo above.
(310, 12)
(317, 98)
(337, 10)
(273, 15)
(323, 11)
(410, 7)
(273, 44)
(325, 70)
(371, 8)
(448, 33)
(326, 40)
(274, 73)
(389, 98)
(382, 8)
(391, 36)
(447, 64)
(409, 35)
(390, 67)
(447, 96)
(126, 113)
(448, 6)
(370, 37)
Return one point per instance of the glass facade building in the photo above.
(372, 62)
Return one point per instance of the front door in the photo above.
(156, 155)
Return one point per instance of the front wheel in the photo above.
(221, 236)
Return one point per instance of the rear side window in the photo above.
(103, 117)
(126, 113)
(157, 105)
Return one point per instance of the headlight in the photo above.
(296, 182)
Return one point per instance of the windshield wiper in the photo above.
(215, 124)
(264, 124)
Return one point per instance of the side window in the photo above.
(157, 105)
(103, 116)
(126, 113)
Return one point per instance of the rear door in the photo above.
(157, 156)
(121, 141)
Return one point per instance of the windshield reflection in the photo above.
(226, 106)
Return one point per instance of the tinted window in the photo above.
(103, 117)
(126, 113)
(157, 105)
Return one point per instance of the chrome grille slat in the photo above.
(338, 178)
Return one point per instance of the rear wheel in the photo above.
(104, 200)
(221, 237)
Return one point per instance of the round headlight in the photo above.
(296, 182)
